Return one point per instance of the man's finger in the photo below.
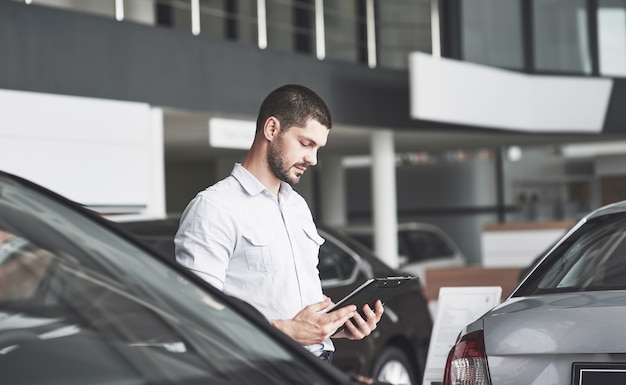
(343, 313)
(319, 306)
(355, 330)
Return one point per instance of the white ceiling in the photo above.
(187, 140)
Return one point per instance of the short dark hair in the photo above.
(293, 105)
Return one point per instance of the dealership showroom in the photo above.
(477, 149)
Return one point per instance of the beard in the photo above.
(279, 165)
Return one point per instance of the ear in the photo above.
(271, 128)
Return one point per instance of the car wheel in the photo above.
(393, 367)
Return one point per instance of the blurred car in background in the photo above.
(421, 246)
(83, 302)
(564, 323)
(395, 352)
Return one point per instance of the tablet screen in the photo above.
(371, 290)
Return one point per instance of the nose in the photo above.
(311, 158)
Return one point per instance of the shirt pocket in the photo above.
(314, 241)
(256, 246)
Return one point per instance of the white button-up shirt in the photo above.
(237, 236)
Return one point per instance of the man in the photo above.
(252, 236)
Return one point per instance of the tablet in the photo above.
(371, 290)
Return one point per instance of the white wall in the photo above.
(105, 154)
(446, 90)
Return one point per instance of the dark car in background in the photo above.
(84, 302)
(421, 246)
(564, 323)
(395, 352)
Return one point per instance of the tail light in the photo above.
(467, 362)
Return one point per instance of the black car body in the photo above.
(396, 351)
(84, 302)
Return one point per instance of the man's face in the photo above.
(296, 149)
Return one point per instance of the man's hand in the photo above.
(312, 326)
(361, 328)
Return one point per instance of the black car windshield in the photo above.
(80, 304)
(592, 258)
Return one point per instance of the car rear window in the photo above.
(415, 245)
(593, 258)
(422, 246)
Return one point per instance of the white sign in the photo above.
(231, 133)
(457, 307)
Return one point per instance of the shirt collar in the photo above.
(252, 185)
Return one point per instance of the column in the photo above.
(385, 217)
(333, 191)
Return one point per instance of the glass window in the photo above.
(424, 245)
(335, 263)
(98, 7)
(492, 33)
(345, 30)
(561, 38)
(612, 37)
(365, 239)
(139, 11)
(291, 25)
(404, 250)
(173, 13)
(215, 19)
(402, 26)
(242, 21)
(594, 258)
(232, 20)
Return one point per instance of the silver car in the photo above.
(564, 323)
